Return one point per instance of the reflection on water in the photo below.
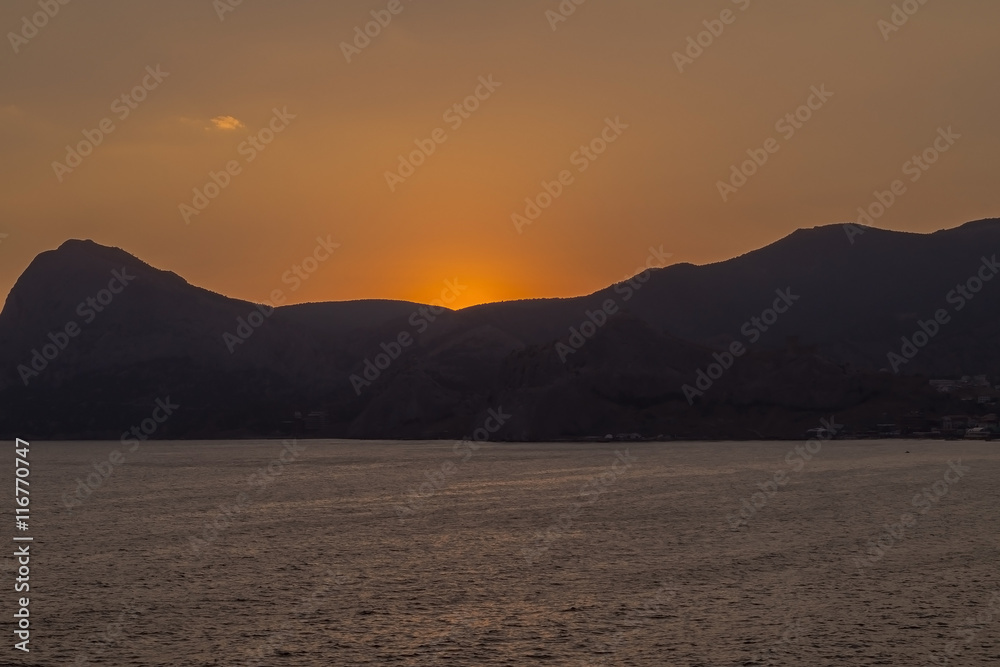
(318, 566)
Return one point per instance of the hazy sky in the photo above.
(324, 173)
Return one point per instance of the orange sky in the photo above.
(324, 174)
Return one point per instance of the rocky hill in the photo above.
(762, 345)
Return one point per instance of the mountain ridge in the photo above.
(615, 360)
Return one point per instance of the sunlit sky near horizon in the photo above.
(607, 76)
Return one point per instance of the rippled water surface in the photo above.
(548, 554)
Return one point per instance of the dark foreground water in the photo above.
(389, 553)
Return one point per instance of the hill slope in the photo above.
(90, 337)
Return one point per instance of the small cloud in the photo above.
(227, 123)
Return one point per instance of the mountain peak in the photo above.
(84, 248)
(70, 244)
(76, 269)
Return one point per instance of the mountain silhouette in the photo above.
(91, 337)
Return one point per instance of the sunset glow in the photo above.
(553, 86)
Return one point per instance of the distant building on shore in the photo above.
(945, 386)
(316, 421)
(958, 422)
